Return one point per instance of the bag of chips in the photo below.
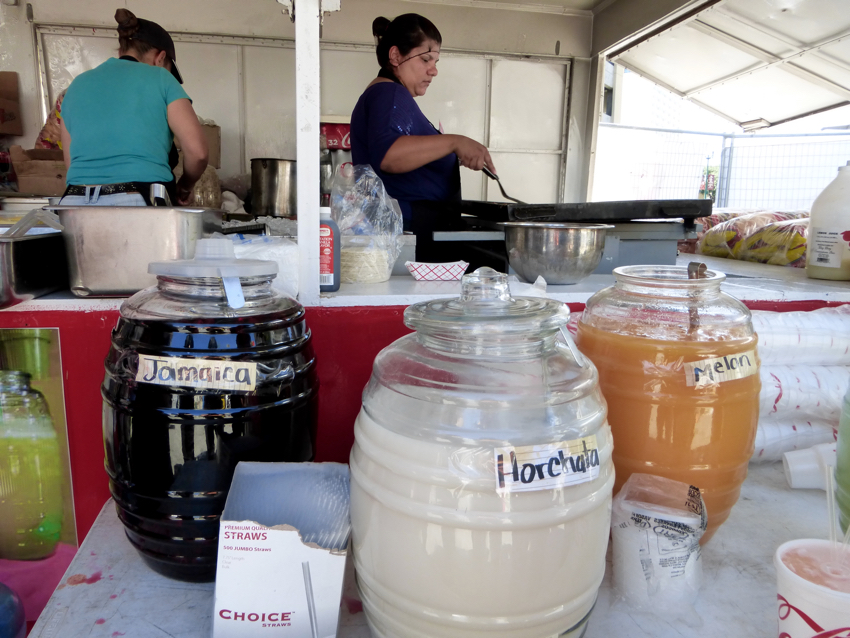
(780, 244)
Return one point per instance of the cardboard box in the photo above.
(213, 135)
(282, 548)
(10, 105)
(40, 171)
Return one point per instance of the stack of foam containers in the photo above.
(805, 372)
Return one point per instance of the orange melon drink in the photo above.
(678, 367)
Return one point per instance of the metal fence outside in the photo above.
(783, 172)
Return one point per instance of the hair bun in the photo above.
(126, 20)
(380, 26)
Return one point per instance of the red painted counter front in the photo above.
(346, 341)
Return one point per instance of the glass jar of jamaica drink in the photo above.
(208, 368)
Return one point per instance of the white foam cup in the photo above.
(805, 608)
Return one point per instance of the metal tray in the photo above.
(31, 265)
(109, 247)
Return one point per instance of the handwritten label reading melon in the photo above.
(197, 373)
(720, 369)
(544, 467)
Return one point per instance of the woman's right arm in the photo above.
(184, 124)
(410, 152)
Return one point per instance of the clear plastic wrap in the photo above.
(370, 223)
(816, 337)
(775, 437)
(778, 243)
(726, 238)
(656, 526)
(801, 392)
(799, 406)
(278, 249)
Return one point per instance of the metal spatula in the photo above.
(493, 175)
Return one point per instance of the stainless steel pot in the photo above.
(273, 187)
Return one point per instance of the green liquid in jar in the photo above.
(30, 491)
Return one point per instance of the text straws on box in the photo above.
(451, 271)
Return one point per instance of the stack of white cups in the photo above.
(805, 372)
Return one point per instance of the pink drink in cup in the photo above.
(813, 585)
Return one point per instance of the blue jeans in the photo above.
(94, 198)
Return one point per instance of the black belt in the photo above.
(142, 188)
(105, 189)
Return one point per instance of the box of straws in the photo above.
(282, 548)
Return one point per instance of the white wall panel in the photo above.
(345, 75)
(457, 97)
(211, 78)
(457, 100)
(269, 103)
(527, 105)
(530, 177)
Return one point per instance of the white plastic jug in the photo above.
(828, 244)
(481, 474)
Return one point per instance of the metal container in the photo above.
(31, 265)
(273, 191)
(109, 248)
(560, 253)
(13, 209)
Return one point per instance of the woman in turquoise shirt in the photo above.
(119, 121)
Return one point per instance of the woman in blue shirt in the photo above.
(119, 121)
(415, 161)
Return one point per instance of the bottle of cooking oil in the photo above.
(828, 244)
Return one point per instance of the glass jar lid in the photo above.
(485, 306)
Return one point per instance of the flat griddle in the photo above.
(608, 212)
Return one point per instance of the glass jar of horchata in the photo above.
(481, 472)
(208, 368)
(678, 366)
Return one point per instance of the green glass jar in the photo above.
(30, 472)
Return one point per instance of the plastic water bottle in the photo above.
(828, 244)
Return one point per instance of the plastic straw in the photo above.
(311, 603)
(830, 504)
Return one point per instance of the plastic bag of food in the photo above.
(779, 244)
(725, 239)
(656, 525)
(369, 222)
(278, 249)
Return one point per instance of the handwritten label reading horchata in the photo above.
(544, 467)
(720, 369)
(197, 373)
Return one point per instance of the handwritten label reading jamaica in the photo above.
(197, 373)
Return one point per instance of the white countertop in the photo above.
(745, 281)
(108, 591)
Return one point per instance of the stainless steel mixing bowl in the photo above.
(561, 253)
